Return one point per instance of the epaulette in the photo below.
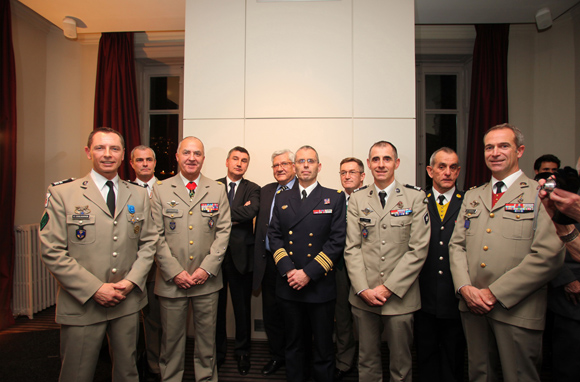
(362, 188)
(159, 182)
(413, 187)
(339, 191)
(220, 183)
(136, 184)
(62, 182)
(474, 187)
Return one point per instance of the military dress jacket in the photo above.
(511, 248)
(308, 235)
(193, 233)
(83, 246)
(387, 246)
(436, 284)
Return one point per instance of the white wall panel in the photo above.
(214, 59)
(384, 58)
(299, 59)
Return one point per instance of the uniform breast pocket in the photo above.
(81, 230)
(401, 227)
(470, 222)
(135, 222)
(367, 226)
(209, 220)
(173, 220)
(518, 226)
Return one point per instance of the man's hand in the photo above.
(124, 286)
(298, 279)
(382, 290)
(199, 276)
(183, 280)
(479, 301)
(108, 296)
(372, 298)
(566, 202)
(572, 292)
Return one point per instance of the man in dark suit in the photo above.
(244, 198)
(439, 335)
(264, 268)
(307, 238)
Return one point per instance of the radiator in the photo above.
(34, 287)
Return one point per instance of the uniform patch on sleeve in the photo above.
(44, 220)
(48, 195)
(426, 218)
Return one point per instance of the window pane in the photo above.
(440, 131)
(164, 93)
(441, 91)
(164, 139)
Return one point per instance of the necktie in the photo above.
(111, 197)
(441, 200)
(304, 196)
(383, 197)
(499, 186)
(191, 186)
(232, 192)
(284, 188)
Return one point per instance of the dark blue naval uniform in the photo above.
(308, 235)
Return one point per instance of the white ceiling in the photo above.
(169, 15)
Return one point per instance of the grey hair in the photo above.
(517, 133)
(442, 149)
(142, 147)
(282, 152)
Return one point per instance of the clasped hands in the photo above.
(111, 294)
(185, 281)
(297, 278)
(479, 301)
(377, 296)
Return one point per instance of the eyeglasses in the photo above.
(283, 164)
(309, 160)
(351, 173)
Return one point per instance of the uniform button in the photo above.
(517, 216)
(310, 244)
(383, 242)
(383, 258)
(384, 226)
(114, 270)
(171, 215)
(382, 273)
(440, 243)
(115, 238)
(190, 227)
(290, 242)
(190, 257)
(440, 272)
(290, 233)
(81, 222)
(482, 265)
(309, 255)
(191, 242)
(442, 228)
(469, 214)
(326, 274)
(310, 234)
(290, 253)
(485, 247)
(115, 254)
(488, 230)
(440, 257)
(491, 215)
(191, 212)
(115, 222)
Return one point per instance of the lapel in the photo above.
(182, 193)
(303, 209)
(454, 205)
(91, 192)
(238, 197)
(122, 198)
(485, 196)
(374, 202)
(432, 206)
(514, 192)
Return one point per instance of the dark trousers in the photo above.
(241, 293)
(440, 347)
(565, 349)
(307, 322)
(272, 312)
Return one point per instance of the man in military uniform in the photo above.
(439, 338)
(98, 241)
(192, 214)
(143, 162)
(307, 238)
(265, 271)
(244, 199)
(503, 252)
(352, 175)
(386, 246)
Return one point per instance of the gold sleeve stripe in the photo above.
(324, 261)
(279, 255)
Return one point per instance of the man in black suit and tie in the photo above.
(244, 198)
(439, 335)
(306, 235)
(264, 268)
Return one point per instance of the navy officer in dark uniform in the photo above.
(306, 236)
(439, 335)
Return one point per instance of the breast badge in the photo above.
(364, 232)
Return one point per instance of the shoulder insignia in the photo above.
(159, 182)
(135, 183)
(44, 220)
(474, 187)
(458, 196)
(359, 189)
(63, 181)
(339, 191)
(220, 183)
(428, 195)
(413, 187)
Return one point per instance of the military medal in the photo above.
(400, 205)
(474, 203)
(81, 233)
(172, 225)
(210, 223)
(401, 212)
(136, 229)
(467, 223)
(366, 211)
(172, 203)
(131, 209)
(81, 210)
(364, 232)
(209, 207)
(521, 198)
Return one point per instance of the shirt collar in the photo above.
(508, 181)
(448, 195)
(100, 180)
(308, 189)
(228, 180)
(149, 183)
(290, 184)
(185, 180)
(389, 190)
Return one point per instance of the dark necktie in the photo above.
(441, 199)
(191, 186)
(499, 186)
(304, 196)
(232, 192)
(111, 197)
(383, 197)
(284, 188)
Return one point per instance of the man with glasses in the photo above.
(306, 237)
(264, 268)
(352, 175)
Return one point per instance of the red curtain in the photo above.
(7, 163)
(116, 93)
(489, 98)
